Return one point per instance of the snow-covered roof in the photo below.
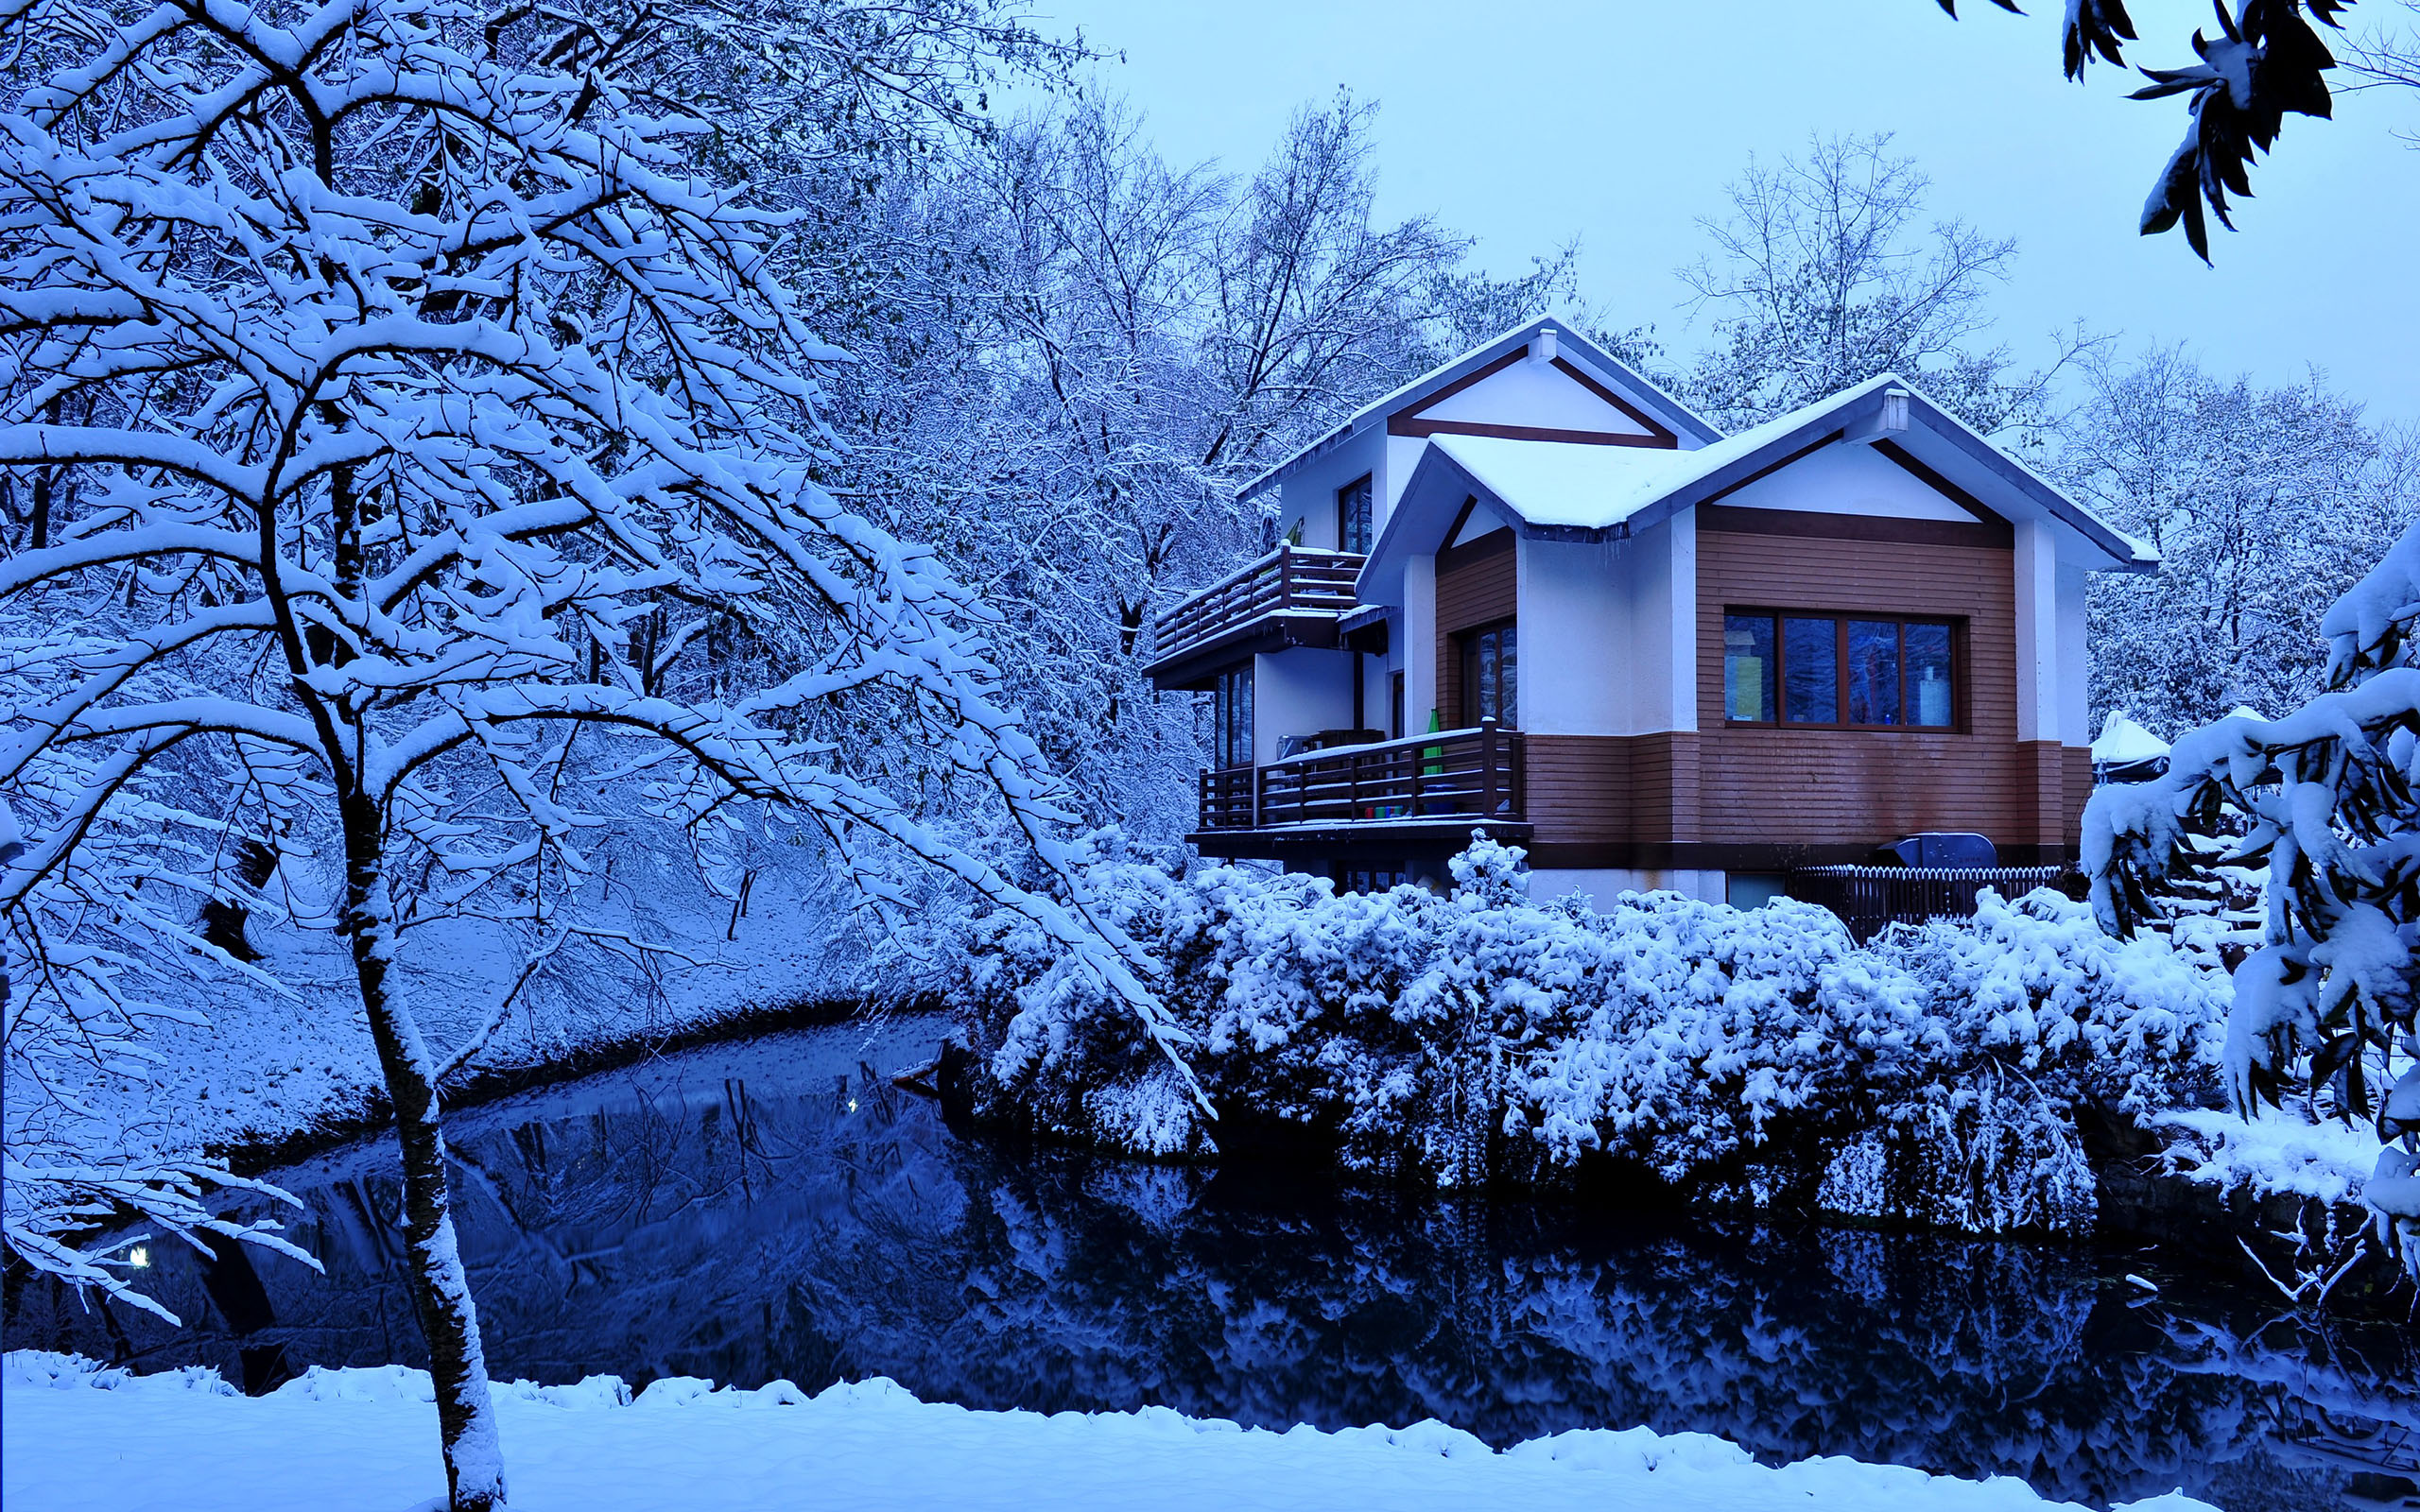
(1565, 483)
(1562, 488)
(1569, 342)
(2122, 742)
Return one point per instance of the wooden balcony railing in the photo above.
(1452, 774)
(1290, 579)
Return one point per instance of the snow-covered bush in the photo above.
(1760, 1055)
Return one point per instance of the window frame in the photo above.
(1465, 659)
(1842, 618)
(1369, 515)
(1226, 710)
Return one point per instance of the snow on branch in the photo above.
(2326, 799)
(417, 421)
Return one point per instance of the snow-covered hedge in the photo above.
(1936, 1074)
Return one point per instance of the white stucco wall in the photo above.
(2036, 566)
(1533, 393)
(1378, 673)
(1299, 690)
(1576, 633)
(1602, 887)
(1680, 606)
(1608, 647)
(1416, 653)
(2075, 658)
(1309, 494)
(1403, 454)
(1847, 480)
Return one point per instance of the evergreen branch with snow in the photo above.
(2328, 799)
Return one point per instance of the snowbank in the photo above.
(1756, 1055)
(78, 1437)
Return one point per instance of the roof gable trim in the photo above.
(1657, 408)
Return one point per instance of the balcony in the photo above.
(1292, 596)
(1435, 786)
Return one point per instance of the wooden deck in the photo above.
(1450, 774)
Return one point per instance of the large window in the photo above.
(1491, 676)
(1353, 524)
(1843, 671)
(1231, 710)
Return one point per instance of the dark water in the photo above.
(777, 1209)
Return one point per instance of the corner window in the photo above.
(1353, 524)
(1839, 671)
(1231, 715)
(1749, 667)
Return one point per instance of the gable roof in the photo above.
(1665, 410)
(1559, 491)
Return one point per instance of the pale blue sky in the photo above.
(1524, 124)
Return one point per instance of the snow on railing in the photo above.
(1474, 773)
(1292, 579)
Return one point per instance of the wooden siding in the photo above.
(1582, 789)
(1613, 789)
(1476, 584)
(1861, 787)
(2078, 791)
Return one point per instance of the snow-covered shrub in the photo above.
(1936, 1074)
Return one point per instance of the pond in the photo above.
(776, 1209)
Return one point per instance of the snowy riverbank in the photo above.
(338, 1441)
(252, 1061)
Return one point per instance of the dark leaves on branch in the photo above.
(2267, 62)
(2093, 27)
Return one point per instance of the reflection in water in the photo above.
(776, 1209)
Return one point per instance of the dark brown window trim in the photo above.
(1960, 723)
(1466, 694)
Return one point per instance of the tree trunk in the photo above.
(440, 1290)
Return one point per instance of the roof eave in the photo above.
(2124, 552)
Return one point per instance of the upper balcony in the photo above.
(1292, 596)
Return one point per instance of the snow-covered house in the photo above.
(1530, 589)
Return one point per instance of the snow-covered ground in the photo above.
(77, 1438)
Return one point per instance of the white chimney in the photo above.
(1542, 346)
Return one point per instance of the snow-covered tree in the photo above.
(1084, 350)
(1823, 273)
(2265, 502)
(2328, 799)
(398, 396)
(82, 943)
